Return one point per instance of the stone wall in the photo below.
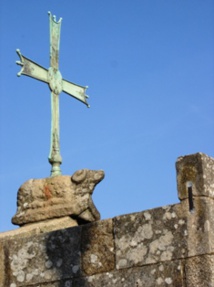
(167, 246)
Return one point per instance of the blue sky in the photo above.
(149, 66)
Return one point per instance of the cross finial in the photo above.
(57, 84)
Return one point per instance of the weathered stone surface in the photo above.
(97, 247)
(197, 169)
(163, 274)
(61, 283)
(200, 271)
(29, 230)
(45, 258)
(59, 196)
(200, 226)
(2, 265)
(151, 236)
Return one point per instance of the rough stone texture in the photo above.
(200, 227)
(29, 230)
(163, 274)
(59, 196)
(2, 265)
(200, 271)
(151, 236)
(197, 169)
(44, 258)
(97, 247)
(160, 275)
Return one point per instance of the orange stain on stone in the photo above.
(47, 192)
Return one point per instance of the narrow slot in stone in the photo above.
(190, 196)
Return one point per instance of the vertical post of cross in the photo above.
(55, 84)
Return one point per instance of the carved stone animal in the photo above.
(59, 196)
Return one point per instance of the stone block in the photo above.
(97, 247)
(44, 258)
(163, 274)
(151, 236)
(197, 170)
(199, 271)
(200, 226)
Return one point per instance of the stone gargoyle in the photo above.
(59, 196)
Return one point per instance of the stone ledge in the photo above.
(29, 230)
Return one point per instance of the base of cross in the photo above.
(57, 197)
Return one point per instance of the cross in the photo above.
(53, 77)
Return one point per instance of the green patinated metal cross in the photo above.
(53, 77)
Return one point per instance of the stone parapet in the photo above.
(166, 246)
(156, 247)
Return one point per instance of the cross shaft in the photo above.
(57, 84)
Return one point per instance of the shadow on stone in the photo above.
(64, 255)
(75, 253)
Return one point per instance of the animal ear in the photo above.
(79, 175)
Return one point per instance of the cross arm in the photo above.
(75, 91)
(31, 69)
